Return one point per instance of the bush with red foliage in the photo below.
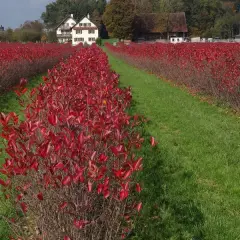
(211, 68)
(26, 60)
(73, 161)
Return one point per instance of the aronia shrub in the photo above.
(210, 68)
(72, 162)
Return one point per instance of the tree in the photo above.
(96, 18)
(101, 5)
(142, 6)
(52, 37)
(167, 6)
(118, 18)
(57, 11)
(103, 31)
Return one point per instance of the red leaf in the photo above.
(89, 186)
(153, 141)
(52, 119)
(127, 175)
(136, 165)
(63, 205)
(80, 223)
(40, 196)
(19, 197)
(58, 166)
(67, 238)
(78, 178)
(3, 183)
(24, 207)
(103, 158)
(34, 166)
(139, 206)
(66, 181)
(106, 194)
(23, 82)
(44, 149)
(99, 188)
(138, 188)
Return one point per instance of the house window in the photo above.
(80, 39)
(75, 39)
(91, 31)
(67, 24)
(89, 24)
(91, 39)
(84, 24)
(78, 31)
(80, 24)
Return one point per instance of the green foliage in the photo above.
(52, 37)
(30, 31)
(204, 18)
(191, 181)
(118, 18)
(57, 11)
(99, 41)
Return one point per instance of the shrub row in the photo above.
(211, 68)
(73, 161)
(27, 60)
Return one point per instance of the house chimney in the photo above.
(71, 15)
(88, 16)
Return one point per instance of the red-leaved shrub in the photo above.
(72, 161)
(26, 60)
(211, 68)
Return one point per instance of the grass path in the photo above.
(9, 103)
(192, 182)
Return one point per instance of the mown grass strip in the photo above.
(191, 181)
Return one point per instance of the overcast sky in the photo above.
(15, 12)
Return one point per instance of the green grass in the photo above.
(110, 40)
(191, 181)
(9, 103)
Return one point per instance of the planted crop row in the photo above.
(27, 60)
(211, 68)
(72, 162)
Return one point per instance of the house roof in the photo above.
(79, 28)
(64, 20)
(161, 22)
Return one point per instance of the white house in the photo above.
(64, 29)
(84, 32)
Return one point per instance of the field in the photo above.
(76, 150)
(73, 157)
(28, 60)
(209, 68)
(191, 182)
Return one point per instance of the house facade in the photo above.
(84, 31)
(64, 29)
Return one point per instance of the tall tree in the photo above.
(168, 6)
(142, 6)
(101, 5)
(57, 11)
(118, 18)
